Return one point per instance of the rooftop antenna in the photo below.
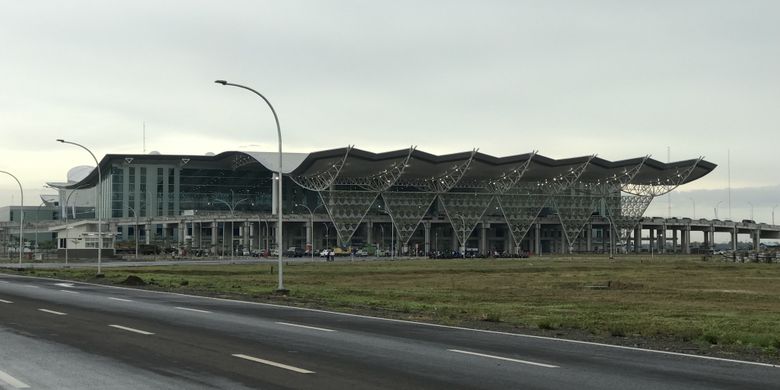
(669, 195)
(144, 137)
(729, 178)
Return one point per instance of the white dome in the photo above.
(209, 154)
(77, 174)
(154, 152)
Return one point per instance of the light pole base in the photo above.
(100, 275)
(281, 291)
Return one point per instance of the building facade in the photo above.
(405, 200)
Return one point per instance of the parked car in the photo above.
(361, 253)
(294, 251)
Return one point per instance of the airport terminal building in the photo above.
(413, 201)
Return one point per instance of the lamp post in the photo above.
(694, 206)
(37, 222)
(21, 217)
(751, 210)
(280, 288)
(392, 233)
(135, 231)
(773, 213)
(98, 201)
(232, 208)
(67, 227)
(311, 218)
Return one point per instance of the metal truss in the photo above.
(662, 185)
(347, 210)
(520, 211)
(407, 210)
(574, 211)
(509, 179)
(444, 182)
(565, 180)
(239, 160)
(624, 213)
(464, 211)
(612, 185)
(321, 181)
(382, 180)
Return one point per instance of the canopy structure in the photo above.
(406, 183)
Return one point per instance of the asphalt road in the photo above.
(63, 335)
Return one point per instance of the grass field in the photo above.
(678, 299)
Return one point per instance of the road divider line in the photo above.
(306, 327)
(64, 284)
(5, 377)
(52, 312)
(427, 324)
(195, 310)
(30, 286)
(4, 301)
(70, 292)
(3, 281)
(275, 364)
(131, 329)
(503, 358)
(120, 299)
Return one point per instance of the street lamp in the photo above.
(67, 227)
(751, 210)
(716, 208)
(232, 208)
(392, 233)
(98, 200)
(694, 207)
(37, 227)
(135, 231)
(21, 217)
(311, 218)
(773, 213)
(280, 288)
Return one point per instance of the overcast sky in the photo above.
(618, 78)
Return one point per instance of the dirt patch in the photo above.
(133, 280)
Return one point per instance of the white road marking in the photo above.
(52, 312)
(306, 327)
(131, 329)
(3, 281)
(30, 286)
(64, 284)
(503, 358)
(4, 301)
(69, 291)
(196, 310)
(496, 332)
(5, 377)
(275, 364)
(120, 299)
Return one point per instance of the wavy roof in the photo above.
(361, 163)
